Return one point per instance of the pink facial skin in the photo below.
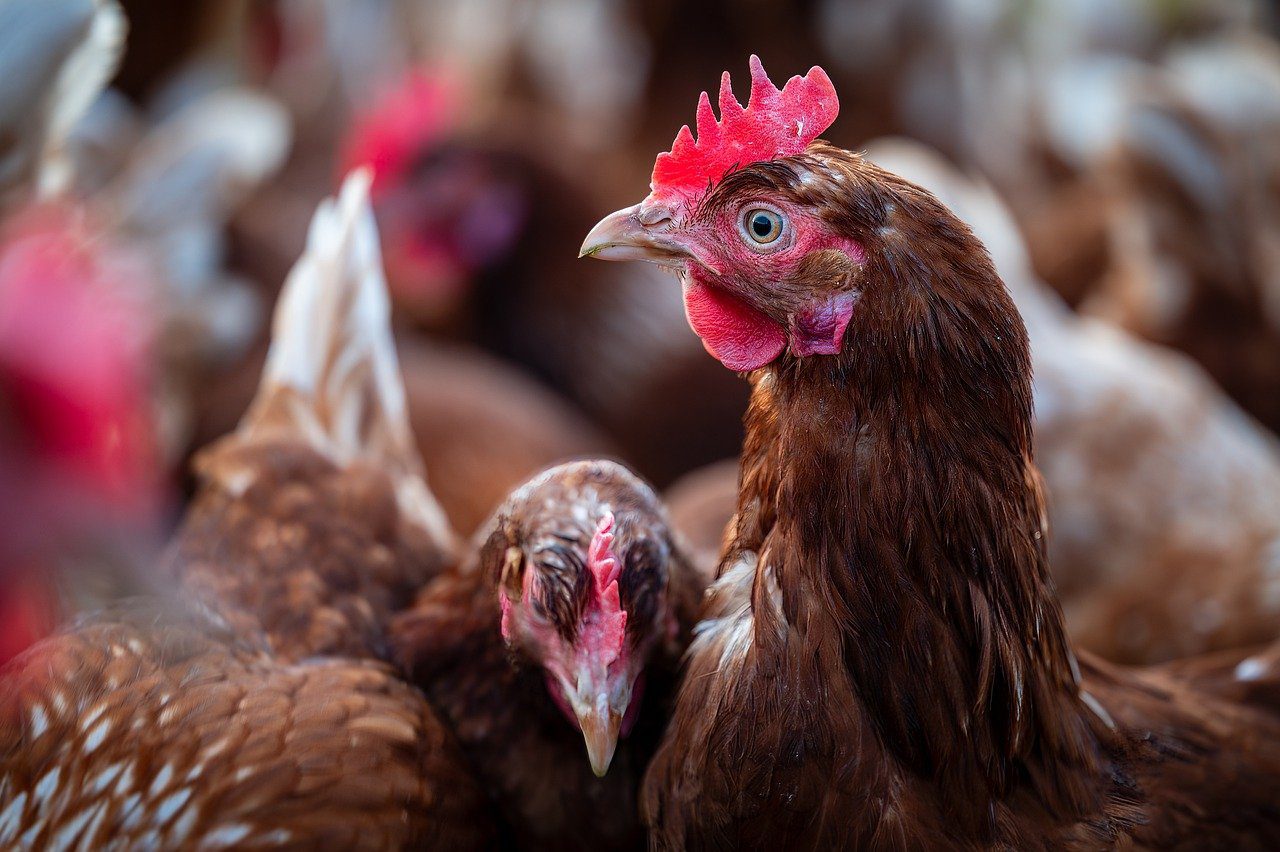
(819, 329)
(600, 654)
(739, 336)
(775, 123)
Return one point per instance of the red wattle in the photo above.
(736, 334)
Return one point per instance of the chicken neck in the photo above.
(905, 516)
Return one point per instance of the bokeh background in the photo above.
(1121, 158)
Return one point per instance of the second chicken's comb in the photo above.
(601, 560)
(774, 123)
(604, 621)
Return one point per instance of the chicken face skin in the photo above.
(494, 684)
(583, 595)
(764, 269)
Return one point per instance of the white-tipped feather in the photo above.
(332, 378)
(56, 57)
(80, 80)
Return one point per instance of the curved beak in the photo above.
(600, 704)
(636, 233)
(600, 727)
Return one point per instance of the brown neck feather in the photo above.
(896, 484)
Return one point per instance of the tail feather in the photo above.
(332, 379)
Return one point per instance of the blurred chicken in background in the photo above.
(81, 484)
(80, 477)
(163, 180)
(476, 199)
(1180, 182)
(478, 242)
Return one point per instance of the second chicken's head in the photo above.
(582, 555)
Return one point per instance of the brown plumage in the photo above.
(149, 729)
(245, 715)
(884, 662)
(318, 555)
(498, 694)
(1163, 497)
(481, 426)
(701, 505)
(1156, 481)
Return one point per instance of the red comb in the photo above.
(600, 559)
(773, 124)
(605, 620)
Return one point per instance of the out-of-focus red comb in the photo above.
(401, 123)
(773, 124)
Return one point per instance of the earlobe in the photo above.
(819, 328)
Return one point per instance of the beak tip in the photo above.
(601, 736)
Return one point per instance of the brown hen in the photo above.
(1164, 499)
(243, 717)
(883, 661)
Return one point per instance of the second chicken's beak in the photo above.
(599, 703)
(636, 233)
(600, 725)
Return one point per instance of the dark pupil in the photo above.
(761, 225)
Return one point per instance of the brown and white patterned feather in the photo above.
(313, 518)
(144, 729)
(250, 715)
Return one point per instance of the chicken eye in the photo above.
(762, 226)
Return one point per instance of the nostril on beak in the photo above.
(654, 218)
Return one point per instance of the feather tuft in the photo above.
(332, 379)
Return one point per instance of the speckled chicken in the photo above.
(245, 708)
(565, 626)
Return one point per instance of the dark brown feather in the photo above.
(885, 662)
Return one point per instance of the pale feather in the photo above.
(332, 379)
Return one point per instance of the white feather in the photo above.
(83, 76)
(332, 377)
